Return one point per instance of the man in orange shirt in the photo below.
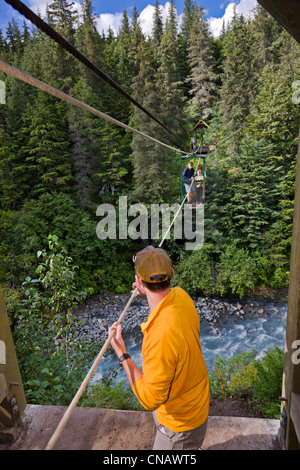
(174, 381)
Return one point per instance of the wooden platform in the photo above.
(103, 429)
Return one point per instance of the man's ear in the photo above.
(172, 273)
(140, 285)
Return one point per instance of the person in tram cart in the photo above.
(173, 382)
(200, 185)
(188, 176)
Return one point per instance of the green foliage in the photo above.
(232, 271)
(256, 380)
(267, 385)
(105, 393)
(232, 377)
(24, 231)
(195, 272)
(254, 202)
(202, 78)
(52, 359)
(236, 271)
(45, 145)
(57, 163)
(12, 299)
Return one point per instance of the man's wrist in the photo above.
(123, 358)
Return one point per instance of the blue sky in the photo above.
(110, 13)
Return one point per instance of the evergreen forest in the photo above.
(58, 163)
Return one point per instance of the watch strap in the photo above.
(123, 357)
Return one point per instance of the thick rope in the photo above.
(14, 72)
(85, 382)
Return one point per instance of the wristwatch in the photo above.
(123, 357)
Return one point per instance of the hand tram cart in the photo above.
(200, 153)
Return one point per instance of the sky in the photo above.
(110, 13)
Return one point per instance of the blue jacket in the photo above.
(187, 173)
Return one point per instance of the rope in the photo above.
(170, 226)
(83, 386)
(43, 26)
(14, 72)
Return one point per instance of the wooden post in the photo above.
(291, 375)
(9, 370)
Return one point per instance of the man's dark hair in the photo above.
(157, 286)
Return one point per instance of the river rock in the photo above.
(101, 311)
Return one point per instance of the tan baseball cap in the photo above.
(153, 264)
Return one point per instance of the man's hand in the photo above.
(117, 340)
(132, 371)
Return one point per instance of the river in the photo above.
(226, 329)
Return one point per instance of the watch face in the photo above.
(123, 357)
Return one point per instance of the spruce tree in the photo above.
(11, 189)
(267, 32)
(189, 10)
(253, 206)
(237, 91)
(157, 29)
(123, 49)
(89, 42)
(87, 146)
(85, 129)
(59, 68)
(45, 146)
(168, 80)
(62, 14)
(136, 38)
(183, 64)
(202, 77)
(14, 41)
(153, 169)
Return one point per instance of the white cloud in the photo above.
(146, 19)
(105, 20)
(40, 5)
(244, 7)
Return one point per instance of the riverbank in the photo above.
(102, 310)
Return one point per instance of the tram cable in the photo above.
(16, 73)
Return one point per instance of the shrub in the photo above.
(105, 393)
(236, 271)
(194, 272)
(268, 382)
(52, 359)
(233, 271)
(244, 376)
(232, 377)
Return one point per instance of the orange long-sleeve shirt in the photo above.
(175, 379)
